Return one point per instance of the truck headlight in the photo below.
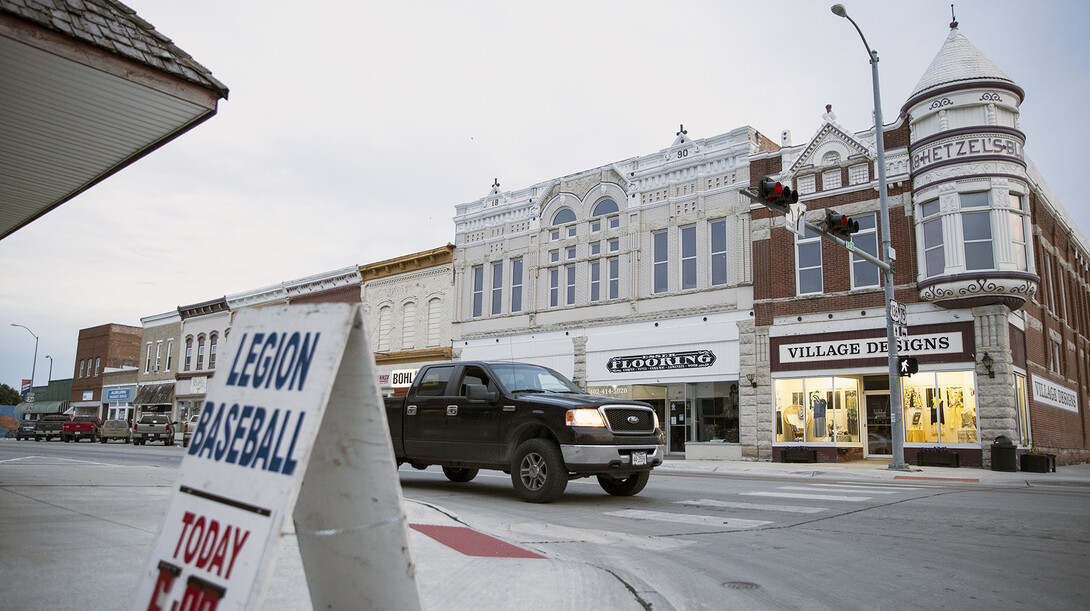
(585, 417)
(656, 415)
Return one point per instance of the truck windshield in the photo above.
(520, 377)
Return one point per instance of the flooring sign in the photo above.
(245, 463)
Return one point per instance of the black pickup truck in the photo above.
(525, 420)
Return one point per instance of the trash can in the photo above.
(1004, 457)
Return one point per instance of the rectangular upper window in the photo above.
(660, 242)
(718, 251)
(554, 287)
(858, 174)
(864, 273)
(478, 290)
(497, 287)
(830, 180)
(688, 257)
(808, 263)
(516, 285)
(595, 280)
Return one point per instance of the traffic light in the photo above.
(772, 194)
(840, 224)
(776, 192)
(907, 365)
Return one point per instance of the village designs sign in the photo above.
(934, 343)
(1050, 393)
(661, 361)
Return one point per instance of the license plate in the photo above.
(639, 458)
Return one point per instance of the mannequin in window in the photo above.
(817, 405)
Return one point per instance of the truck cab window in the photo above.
(434, 382)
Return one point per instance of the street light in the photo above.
(50, 369)
(887, 272)
(33, 365)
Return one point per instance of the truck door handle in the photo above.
(411, 410)
(452, 410)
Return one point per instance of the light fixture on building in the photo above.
(987, 362)
(752, 381)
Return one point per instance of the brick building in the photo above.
(109, 346)
(991, 267)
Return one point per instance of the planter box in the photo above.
(931, 458)
(1038, 463)
(798, 455)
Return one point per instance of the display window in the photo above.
(1023, 411)
(940, 407)
(819, 409)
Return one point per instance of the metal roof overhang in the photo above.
(41, 407)
(71, 115)
(155, 394)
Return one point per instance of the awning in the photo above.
(41, 407)
(155, 394)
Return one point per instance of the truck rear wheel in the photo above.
(455, 474)
(624, 487)
(538, 472)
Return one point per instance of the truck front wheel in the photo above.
(455, 474)
(538, 472)
(624, 487)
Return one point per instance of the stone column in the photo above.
(996, 404)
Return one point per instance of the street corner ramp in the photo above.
(473, 543)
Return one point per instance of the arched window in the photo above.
(408, 325)
(434, 313)
(563, 216)
(213, 338)
(604, 207)
(200, 352)
(188, 352)
(385, 325)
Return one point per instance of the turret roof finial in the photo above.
(953, 20)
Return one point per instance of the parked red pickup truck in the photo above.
(81, 427)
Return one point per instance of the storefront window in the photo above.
(940, 407)
(1023, 414)
(716, 411)
(824, 409)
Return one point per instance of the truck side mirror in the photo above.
(479, 392)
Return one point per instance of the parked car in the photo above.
(116, 429)
(153, 427)
(25, 430)
(188, 428)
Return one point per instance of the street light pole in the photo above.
(895, 403)
(50, 380)
(33, 365)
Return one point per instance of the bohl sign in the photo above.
(298, 402)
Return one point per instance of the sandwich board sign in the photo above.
(295, 399)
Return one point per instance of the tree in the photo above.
(9, 396)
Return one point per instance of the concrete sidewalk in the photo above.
(76, 534)
(1078, 475)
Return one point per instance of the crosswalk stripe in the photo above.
(838, 489)
(815, 497)
(755, 506)
(687, 518)
(878, 485)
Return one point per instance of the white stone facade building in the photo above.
(630, 278)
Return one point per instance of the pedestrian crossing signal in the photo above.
(908, 365)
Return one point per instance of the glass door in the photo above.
(879, 429)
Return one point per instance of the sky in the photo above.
(354, 128)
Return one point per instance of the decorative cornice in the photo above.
(408, 263)
(211, 306)
(411, 356)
